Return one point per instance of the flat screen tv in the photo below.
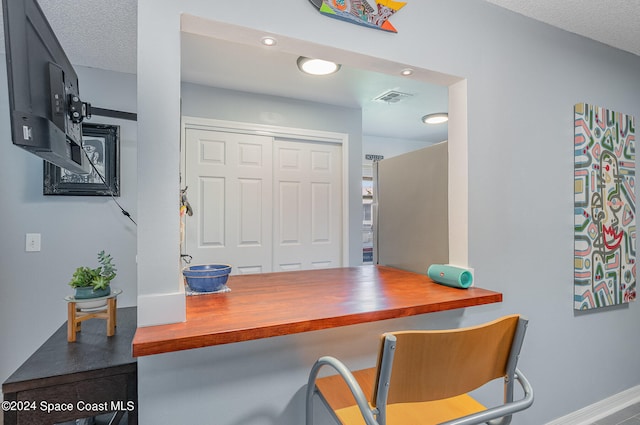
(46, 110)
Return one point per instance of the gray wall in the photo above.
(523, 79)
(521, 97)
(74, 229)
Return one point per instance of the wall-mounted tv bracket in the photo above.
(78, 110)
(131, 116)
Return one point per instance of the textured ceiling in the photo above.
(96, 33)
(612, 22)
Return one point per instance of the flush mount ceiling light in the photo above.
(268, 41)
(317, 66)
(438, 118)
(406, 72)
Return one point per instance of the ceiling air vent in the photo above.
(392, 96)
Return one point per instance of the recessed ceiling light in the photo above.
(406, 72)
(317, 66)
(268, 41)
(438, 118)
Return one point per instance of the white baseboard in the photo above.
(601, 409)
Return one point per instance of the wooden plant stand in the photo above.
(76, 315)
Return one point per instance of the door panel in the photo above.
(211, 215)
(320, 212)
(232, 176)
(289, 213)
(308, 213)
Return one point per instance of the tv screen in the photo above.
(46, 110)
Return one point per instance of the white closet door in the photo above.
(229, 177)
(307, 205)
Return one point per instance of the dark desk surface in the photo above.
(273, 304)
(92, 351)
(94, 369)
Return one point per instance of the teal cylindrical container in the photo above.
(450, 275)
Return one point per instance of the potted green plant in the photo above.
(93, 283)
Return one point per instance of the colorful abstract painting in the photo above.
(369, 13)
(604, 207)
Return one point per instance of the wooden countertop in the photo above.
(273, 304)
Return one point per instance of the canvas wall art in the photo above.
(368, 13)
(604, 207)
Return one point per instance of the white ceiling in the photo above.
(102, 34)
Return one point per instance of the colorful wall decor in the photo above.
(361, 12)
(604, 207)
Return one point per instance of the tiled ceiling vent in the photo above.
(392, 96)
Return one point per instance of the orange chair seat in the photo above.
(336, 394)
(424, 413)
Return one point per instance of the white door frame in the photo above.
(301, 134)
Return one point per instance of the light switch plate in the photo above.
(33, 242)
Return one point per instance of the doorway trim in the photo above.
(290, 133)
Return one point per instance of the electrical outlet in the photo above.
(33, 242)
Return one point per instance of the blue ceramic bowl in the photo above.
(206, 278)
